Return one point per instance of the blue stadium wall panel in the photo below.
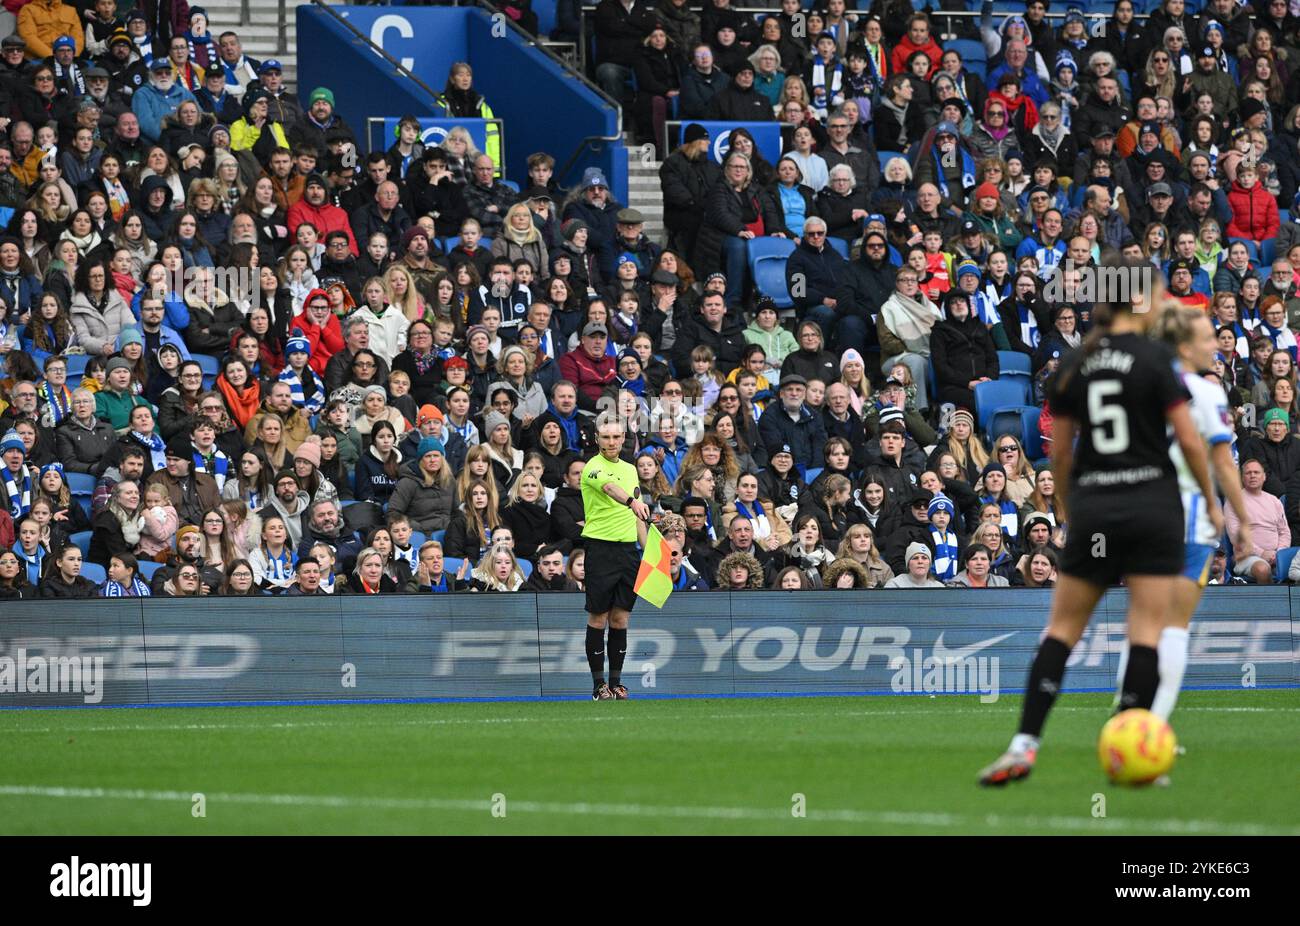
(218, 651)
(543, 108)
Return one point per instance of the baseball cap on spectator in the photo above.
(1104, 131)
(955, 101)
(592, 177)
(892, 382)
(536, 193)
(970, 227)
(309, 450)
(161, 63)
(270, 64)
(695, 132)
(945, 128)
(874, 218)
(427, 413)
(1159, 189)
(595, 330)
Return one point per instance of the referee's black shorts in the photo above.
(611, 569)
(1125, 532)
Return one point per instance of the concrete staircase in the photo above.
(261, 34)
(643, 190)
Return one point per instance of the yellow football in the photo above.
(1136, 747)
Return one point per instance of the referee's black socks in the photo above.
(1045, 677)
(617, 650)
(596, 654)
(1141, 678)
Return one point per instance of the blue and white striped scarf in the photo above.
(155, 445)
(57, 401)
(409, 554)
(946, 552)
(138, 589)
(20, 499)
(311, 404)
(32, 562)
(218, 470)
(281, 568)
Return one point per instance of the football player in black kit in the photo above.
(1116, 395)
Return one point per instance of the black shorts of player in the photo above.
(611, 574)
(1124, 532)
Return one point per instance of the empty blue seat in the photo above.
(147, 569)
(1267, 252)
(510, 183)
(209, 366)
(840, 245)
(887, 156)
(1021, 379)
(94, 572)
(76, 364)
(438, 536)
(81, 540)
(971, 50)
(1030, 439)
(526, 567)
(999, 397)
(80, 483)
(1012, 361)
(767, 257)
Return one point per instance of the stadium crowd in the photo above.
(240, 358)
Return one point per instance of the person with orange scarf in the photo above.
(321, 328)
(240, 389)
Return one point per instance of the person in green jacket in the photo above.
(992, 219)
(767, 332)
(114, 402)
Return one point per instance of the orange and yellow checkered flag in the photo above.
(654, 580)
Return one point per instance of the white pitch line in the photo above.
(566, 718)
(681, 812)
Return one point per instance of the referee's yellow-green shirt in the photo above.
(606, 518)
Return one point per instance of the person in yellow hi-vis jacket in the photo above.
(255, 131)
(462, 101)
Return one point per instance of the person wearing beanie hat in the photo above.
(307, 389)
(916, 569)
(430, 445)
(426, 492)
(248, 129)
(945, 542)
(16, 482)
(309, 451)
(320, 122)
(129, 336)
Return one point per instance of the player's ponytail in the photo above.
(1175, 325)
(1136, 273)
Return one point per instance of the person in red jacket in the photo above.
(917, 39)
(325, 217)
(321, 328)
(1254, 212)
(589, 367)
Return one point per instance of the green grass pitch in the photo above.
(725, 766)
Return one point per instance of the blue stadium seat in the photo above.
(1030, 439)
(81, 540)
(1268, 251)
(80, 483)
(485, 243)
(449, 243)
(971, 50)
(767, 257)
(147, 569)
(887, 156)
(439, 536)
(1284, 215)
(94, 572)
(1250, 248)
(840, 245)
(526, 567)
(1012, 361)
(451, 565)
(999, 397)
(76, 365)
(210, 367)
(812, 473)
(1022, 379)
(510, 183)
(1284, 557)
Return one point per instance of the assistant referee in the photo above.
(616, 520)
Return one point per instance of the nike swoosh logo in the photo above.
(942, 653)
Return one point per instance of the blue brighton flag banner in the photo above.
(434, 131)
(767, 137)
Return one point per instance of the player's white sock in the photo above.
(1023, 742)
(1173, 663)
(1119, 675)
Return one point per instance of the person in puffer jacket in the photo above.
(426, 491)
(1254, 212)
